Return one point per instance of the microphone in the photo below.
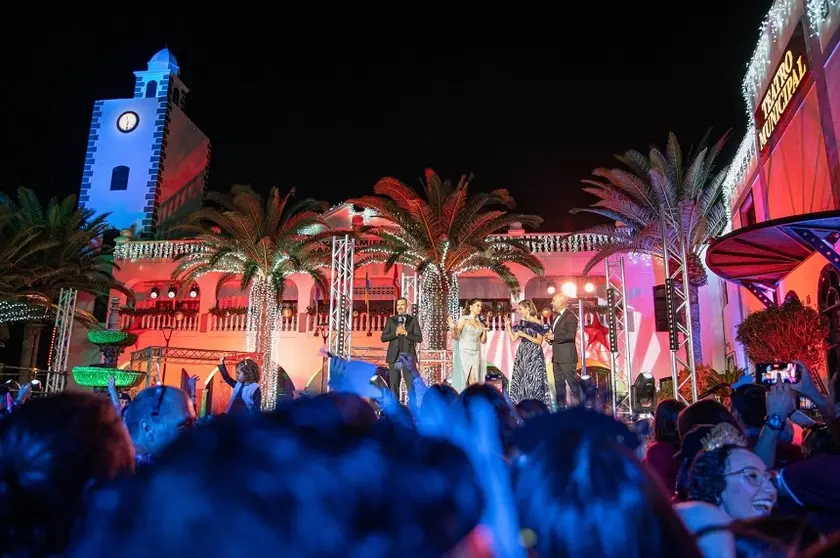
(401, 319)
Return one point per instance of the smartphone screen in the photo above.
(807, 404)
(767, 373)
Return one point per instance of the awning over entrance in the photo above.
(759, 256)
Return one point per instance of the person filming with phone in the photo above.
(810, 487)
(402, 333)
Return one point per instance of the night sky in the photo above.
(331, 118)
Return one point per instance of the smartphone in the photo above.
(807, 404)
(767, 374)
(801, 419)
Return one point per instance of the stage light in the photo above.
(194, 291)
(154, 293)
(569, 289)
(172, 292)
(589, 287)
(644, 393)
(551, 289)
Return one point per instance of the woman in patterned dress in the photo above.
(529, 380)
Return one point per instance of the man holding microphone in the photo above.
(402, 333)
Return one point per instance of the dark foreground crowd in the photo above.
(353, 473)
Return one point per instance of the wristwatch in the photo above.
(774, 422)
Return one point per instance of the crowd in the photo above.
(354, 473)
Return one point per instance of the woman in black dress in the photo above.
(529, 380)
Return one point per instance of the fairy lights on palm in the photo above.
(443, 236)
(258, 243)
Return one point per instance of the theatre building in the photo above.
(784, 186)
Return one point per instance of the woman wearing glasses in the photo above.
(732, 478)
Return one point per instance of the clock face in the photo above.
(127, 121)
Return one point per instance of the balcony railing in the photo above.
(238, 322)
(142, 250)
(150, 250)
(558, 242)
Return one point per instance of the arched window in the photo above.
(176, 96)
(151, 89)
(119, 178)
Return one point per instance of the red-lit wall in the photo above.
(796, 174)
(184, 173)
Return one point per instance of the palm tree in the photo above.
(49, 249)
(443, 236)
(261, 242)
(635, 197)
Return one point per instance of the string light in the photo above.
(772, 28)
(263, 336)
(20, 312)
(741, 164)
(819, 13)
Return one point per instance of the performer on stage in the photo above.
(529, 379)
(469, 334)
(402, 333)
(564, 329)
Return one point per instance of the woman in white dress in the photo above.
(468, 358)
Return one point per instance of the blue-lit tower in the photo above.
(146, 163)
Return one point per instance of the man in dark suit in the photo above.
(564, 330)
(402, 333)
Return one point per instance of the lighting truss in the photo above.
(621, 367)
(410, 289)
(680, 334)
(63, 332)
(150, 359)
(341, 299)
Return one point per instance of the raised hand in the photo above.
(781, 399)
(451, 322)
(191, 383)
(476, 431)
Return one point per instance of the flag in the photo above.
(367, 289)
(396, 282)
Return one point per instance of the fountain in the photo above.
(111, 343)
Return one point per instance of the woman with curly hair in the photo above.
(246, 396)
(733, 478)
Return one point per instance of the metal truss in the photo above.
(434, 365)
(766, 295)
(410, 289)
(621, 361)
(63, 333)
(341, 299)
(680, 334)
(150, 359)
(374, 355)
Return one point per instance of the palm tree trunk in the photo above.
(696, 324)
(29, 351)
(436, 293)
(262, 322)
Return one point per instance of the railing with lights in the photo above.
(146, 250)
(137, 250)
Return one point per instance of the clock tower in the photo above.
(146, 162)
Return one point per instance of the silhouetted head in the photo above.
(51, 450)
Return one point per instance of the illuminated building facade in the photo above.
(784, 185)
(166, 157)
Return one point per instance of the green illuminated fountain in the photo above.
(111, 343)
